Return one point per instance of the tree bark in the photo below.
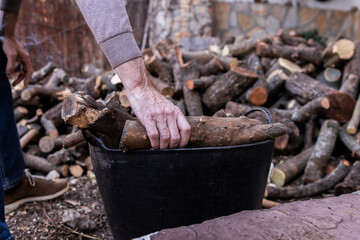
(291, 168)
(244, 46)
(322, 152)
(302, 53)
(353, 124)
(208, 132)
(42, 72)
(42, 165)
(314, 107)
(227, 87)
(73, 139)
(201, 83)
(313, 188)
(49, 127)
(48, 144)
(351, 182)
(349, 141)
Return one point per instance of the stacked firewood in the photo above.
(310, 91)
(49, 145)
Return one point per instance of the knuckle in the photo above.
(165, 137)
(153, 135)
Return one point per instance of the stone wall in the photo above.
(235, 18)
(189, 18)
(180, 18)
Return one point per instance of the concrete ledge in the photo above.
(330, 218)
(342, 5)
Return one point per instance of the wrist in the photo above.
(133, 75)
(7, 24)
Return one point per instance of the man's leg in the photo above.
(19, 187)
(4, 229)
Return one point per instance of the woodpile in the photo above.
(311, 92)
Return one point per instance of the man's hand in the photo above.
(165, 124)
(14, 52)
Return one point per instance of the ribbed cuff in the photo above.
(10, 5)
(120, 49)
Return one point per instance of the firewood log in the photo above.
(157, 67)
(314, 107)
(48, 144)
(33, 102)
(322, 151)
(180, 104)
(81, 110)
(351, 85)
(308, 68)
(22, 128)
(57, 77)
(91, 86)
(309, 132)
(350, 142)
(38, 90)
(351, 182)
(353, 124)
(32, 133)
(163, 48)
(222, 113)
(49, 127)
(208, 132)
(61, 156)
(313, 188)
(175, 60)
(200, 56)
(291, 168)
(163, 88)
(244, 46)
(201, 83)
(89, 70)
(267, 204)
(287, 142)
(192, 98)
(330, 77)
(228, 63)
(227, 87)
(42, 165)
(343, 49)
(302, 52)
(211, 68)
(76, 170)
(257, 94)
(42, 72)
(73, 139)
(20, 113)
(288, 39)
(305, 89)
(54, 114)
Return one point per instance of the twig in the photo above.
(67, 228)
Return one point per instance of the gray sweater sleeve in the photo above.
(10, 5)
(109, 22)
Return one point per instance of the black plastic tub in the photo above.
(149, 190)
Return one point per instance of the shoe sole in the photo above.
(12, 206)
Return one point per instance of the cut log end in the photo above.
(278, 177)
(258, 96)
(281, 142)
(325, 103)
(190, 85)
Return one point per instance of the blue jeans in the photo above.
(11, 158)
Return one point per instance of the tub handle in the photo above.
(99, 142)
(265, 111)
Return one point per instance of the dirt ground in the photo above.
(44, 220)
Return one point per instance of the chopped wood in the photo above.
(201, 83)
(351, 182)
(163, 88)
(208, 132)
(89, 70)
(343, 49)
(42, 165)
(20, 113)
(302, 53)
(309, 132)
(313, 188)
(351, 85)
(61, 156)
(227, 87)
(48, 144)
(32, 133)
(244, 46)
(353, 124)
(291, 168)
(350, 142)
(57, 77)
(267, 204)
(158, 67)
(76, 170)
(54, 114)
(49, 127)
(211, 68)
(314, 107)
(81, 110)
(42, 72)
(36, 90)
(322, 151)
(331, 77)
